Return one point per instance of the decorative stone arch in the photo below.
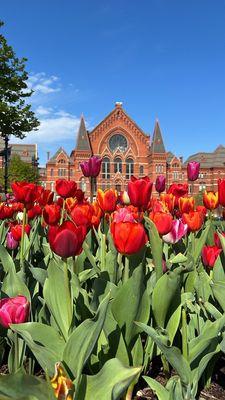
(103, 143)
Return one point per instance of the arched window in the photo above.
(129, 167)
(106, 168)
(117, 165)
(175, 165)
(175, 176)
(61, 161)
(141, 170)
(83, 185)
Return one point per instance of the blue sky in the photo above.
(163, 59)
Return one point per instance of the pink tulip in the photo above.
(91, 168)
(193, 168)
(14, 310)
(11, 243)
(123, 215)
(160, 183)
(179, 229)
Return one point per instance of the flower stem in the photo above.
(126, 270)
(22, 239)
(62, 212)
(184, 334)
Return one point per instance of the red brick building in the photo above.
(126, 149)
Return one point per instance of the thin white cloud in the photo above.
(43, 84)
(55, 127)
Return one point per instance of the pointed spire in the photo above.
(157, 140)
(82, 137)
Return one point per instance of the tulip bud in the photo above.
(139, 191)
(193, 168)
(160, 183)
(65, 188)
(14, 310)
(11, 243)
(124, 198)
(91, 168)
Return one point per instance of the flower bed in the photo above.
(96, 296)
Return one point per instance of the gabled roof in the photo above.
(209, 160)
(60, 150)
(157, 145)
(119, 108)
(83, 143)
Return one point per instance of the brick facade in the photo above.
(126, 150)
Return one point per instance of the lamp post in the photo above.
(5, 153)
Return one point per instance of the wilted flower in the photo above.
(63, 386)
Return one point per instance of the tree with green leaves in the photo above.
(16, 116)
(20, 171)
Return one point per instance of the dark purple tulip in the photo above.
(91, 168)
(193, 168)
(160, 183)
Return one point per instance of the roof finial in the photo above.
(119, 104)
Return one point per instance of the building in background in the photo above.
(27, 152)
(127, 150)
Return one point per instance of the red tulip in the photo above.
(65, 188)
(66, 240)
(139, 191)
(82, 214)
(210, 200)
(52, 214)
(160, 183)
(202, 209)
(16, 231)
(194, 220)
(209, 255)
(91, 168)
(163, 222)
(178, 190)
(128, 237)
(107, 200)
(193, 168)
(6, 211)
(14, 310)
(46, 197)
(221, 191)
(35, 211)
(24, 192)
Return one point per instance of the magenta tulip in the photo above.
(91, 168)
(11, 243)
(179, 229)
(14, 310)
(193, 168)
(160, 183)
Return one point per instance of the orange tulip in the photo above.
(107, 200)
(63, 386)
(194, 220)
(163, 221)
(210, 200)
(186, 204)
(169, 200)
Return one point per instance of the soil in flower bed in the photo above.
(215, 392)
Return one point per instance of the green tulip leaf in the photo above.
(131, 303)
(161, 392)
(25, 387)
(111, 382)
(44, 342)
(57, 294)
(82, 341)
(156, 247)
(172, 354)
